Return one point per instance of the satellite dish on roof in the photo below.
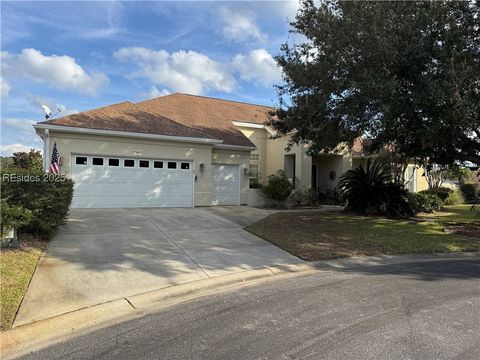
(48, 112)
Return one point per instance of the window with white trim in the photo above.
(411, 178)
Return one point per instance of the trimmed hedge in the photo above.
(46, 196)
(441, 192)
(424, 202)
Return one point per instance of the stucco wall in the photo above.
(259, 138)
(325, 165)
(421, 181)
(69, 144)
(241, 158)
(275, 160)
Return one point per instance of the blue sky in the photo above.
(81, 55)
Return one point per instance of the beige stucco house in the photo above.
(182, 151)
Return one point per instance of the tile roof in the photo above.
(175, 115)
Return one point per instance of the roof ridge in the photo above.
(209, 97)
(87, 111)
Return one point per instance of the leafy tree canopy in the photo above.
(31, 160)
(405, 74)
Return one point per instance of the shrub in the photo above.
(469, 192)
(255, 182)
(277, 189)
(424, 202)
(454, 198)
(306, 196)
(48, 197)
(13, 217)
(371, 190)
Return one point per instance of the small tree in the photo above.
(435, 176)
(31, 160)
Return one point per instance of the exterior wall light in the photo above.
(202, 167)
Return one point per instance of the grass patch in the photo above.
(319, 235)
(16, 269)
(454, 214)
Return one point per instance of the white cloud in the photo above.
(258, 66)
(61, 72)
(7, 150)
(288, 8)
(19, 124)
(183, 71)
(4, 87)
(240, 25)
(154, 92)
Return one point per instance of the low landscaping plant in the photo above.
(424, 202)
(46, 196)
(255, 182)
(370, 190)
(277, 189)
(306, 196)
(454, 198)
(12, 217)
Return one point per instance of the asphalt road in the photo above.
(428, 310)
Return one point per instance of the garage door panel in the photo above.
(110, 186)
(225, 184)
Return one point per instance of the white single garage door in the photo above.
(113, 182)
(225, 184)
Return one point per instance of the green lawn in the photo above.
(16, 269)
(454, 214)
(318, 235)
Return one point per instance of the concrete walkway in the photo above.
(102, 255)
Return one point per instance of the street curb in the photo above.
(25, 338)
(32, 336)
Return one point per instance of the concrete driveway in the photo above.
(106, 254)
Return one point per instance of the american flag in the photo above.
(55, 163)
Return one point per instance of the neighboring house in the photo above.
(181, 151)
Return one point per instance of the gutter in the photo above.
(234, 147)
(78, 130)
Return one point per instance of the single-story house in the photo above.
(182, 150)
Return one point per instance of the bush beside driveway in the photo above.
(318, 235)
(36, 204)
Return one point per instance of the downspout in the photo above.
(46, 149)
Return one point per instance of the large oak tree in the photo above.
(400, 73)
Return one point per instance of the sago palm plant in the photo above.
(372, 190)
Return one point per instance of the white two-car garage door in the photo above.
(225, 184)
(111, 182)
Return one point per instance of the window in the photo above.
(81, 160)
(254, 170)
(129, 163)
(144, 163)
(185, 166)
(113, 162)
(255, 157)
(97, 161)
(172, 165)
(158, 164)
